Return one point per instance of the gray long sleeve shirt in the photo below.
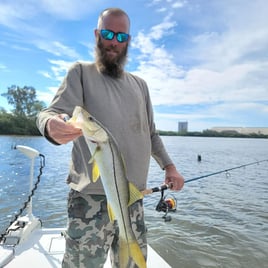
(124, 107)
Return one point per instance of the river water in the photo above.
(220, 221)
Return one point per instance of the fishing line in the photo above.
(225, 170)
(167, 205)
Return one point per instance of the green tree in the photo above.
(23, 100)
(11, 124)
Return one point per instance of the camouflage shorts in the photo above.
(90, 234)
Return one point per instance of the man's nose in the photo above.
(114, 41)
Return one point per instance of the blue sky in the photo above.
(205, 62)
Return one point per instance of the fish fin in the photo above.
(134, 194)
(131, 250)
(95, 171)
(110, 212)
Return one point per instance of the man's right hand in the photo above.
(60, 131)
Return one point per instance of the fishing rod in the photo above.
(170, 204)
(169, 186)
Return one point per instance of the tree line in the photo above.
(21, 119)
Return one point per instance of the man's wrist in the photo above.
(169, 167)
(47, 135)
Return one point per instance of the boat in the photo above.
(27, 244)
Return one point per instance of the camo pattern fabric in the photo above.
(90, 234)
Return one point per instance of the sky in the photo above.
(205, 62)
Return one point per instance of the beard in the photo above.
(113, 67)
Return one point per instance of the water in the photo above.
(221, 221)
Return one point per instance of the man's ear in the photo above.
(96, 32)
(129, 39)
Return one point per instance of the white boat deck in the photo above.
(45, 247)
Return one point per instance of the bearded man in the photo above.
(121, 102)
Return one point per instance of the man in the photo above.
(121, 102)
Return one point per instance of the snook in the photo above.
(108, 163)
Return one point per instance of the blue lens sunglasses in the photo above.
(109, 35)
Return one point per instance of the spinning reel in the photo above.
(166, 203)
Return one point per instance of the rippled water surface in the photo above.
(221, 220)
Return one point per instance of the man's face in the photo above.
(111, 55)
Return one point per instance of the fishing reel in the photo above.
(166, 203)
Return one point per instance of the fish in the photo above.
(108, 164)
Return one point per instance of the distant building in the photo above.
(243, 130)
(183, 127)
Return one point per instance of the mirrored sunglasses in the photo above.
(109, 35)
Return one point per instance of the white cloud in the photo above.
(65, 9)
(233, 113)
(59, 68)
(225, 72)
(178, 4)
(57, 72)
(171, 85)
(35, 20)
(45, 74)
(58, 49)
(169, 3)
(2, 67)
(162, 9)
(12, 13)
(48, 95)
(164, 28)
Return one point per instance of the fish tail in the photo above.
(131, 250)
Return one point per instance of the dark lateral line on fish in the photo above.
(111, 140)
(116, 184)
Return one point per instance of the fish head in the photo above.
(89, 125)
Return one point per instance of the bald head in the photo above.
(116, 12)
